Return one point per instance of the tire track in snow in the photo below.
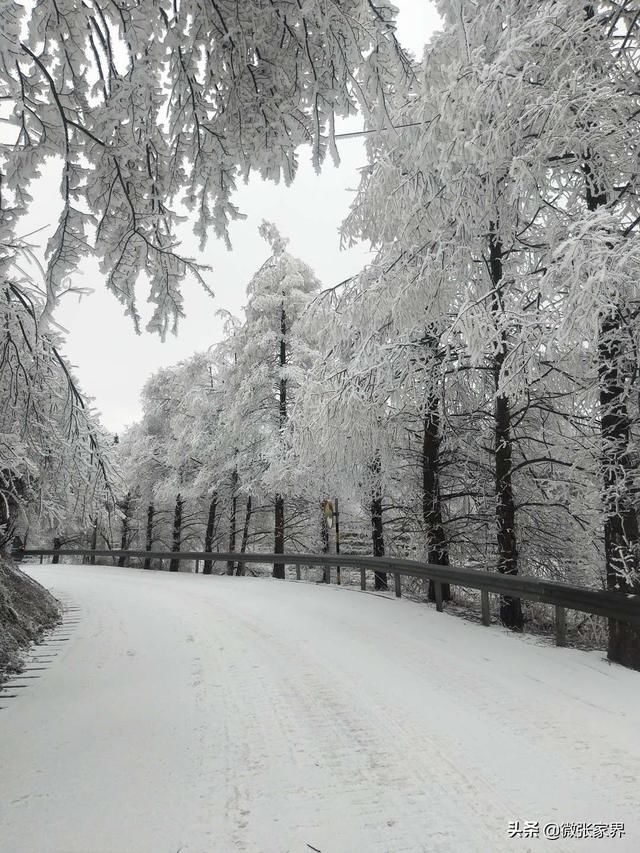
(230, 715)
(484, 774)
(345, 758)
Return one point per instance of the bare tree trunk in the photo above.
(174, 565)
(620, 518)
(149, 535)
(377, 530)
(232, 519)
(57, 544)
(278, 539)
(510, 608)
(621, 535)
(14, 492)
(380, 578)
(94, 543)
(324, 535)
(438, 551)
(245, 535)
(124, 539)
(207, 566)
(336, 508)
(279, 520)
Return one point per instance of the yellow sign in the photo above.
(327, 509)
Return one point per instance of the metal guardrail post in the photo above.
(398, 586)
(561, 626)
(486, 610)
(363, 579)
(437, 585)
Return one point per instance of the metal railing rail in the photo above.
(612, 605)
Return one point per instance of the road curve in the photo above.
(175, 712)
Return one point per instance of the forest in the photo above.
(471, 397)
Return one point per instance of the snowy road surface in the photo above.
(213, 714)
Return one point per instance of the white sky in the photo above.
(113, 363)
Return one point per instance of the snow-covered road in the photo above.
(214, 714)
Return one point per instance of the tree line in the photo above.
(476, 385)
(472, 395)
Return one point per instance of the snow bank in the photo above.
(26, 609)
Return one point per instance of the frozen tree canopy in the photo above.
(54, 467)
(155, 103)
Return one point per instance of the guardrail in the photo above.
(612, 605)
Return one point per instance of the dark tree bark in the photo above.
(377, 530)
(620, 517)
(245, 535)
(57, 544)
(621, 535)
(233, 519)
(94, 542)
(279, 520)
(336, 513)
(126, 521)
(207, 566)
(278, 539)
(324, 536)
(510, 608)
(13, 493)
(282, 401)
(174, 564)
(438, 550)
(149, 535)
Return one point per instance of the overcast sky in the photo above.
(113, 363)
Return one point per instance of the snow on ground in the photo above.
(214, 714)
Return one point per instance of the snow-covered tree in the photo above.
(520, 181)
(56, 470)
(268, 358)
(174, 475)
(346, 429)
(214, 430)
(151, 104)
